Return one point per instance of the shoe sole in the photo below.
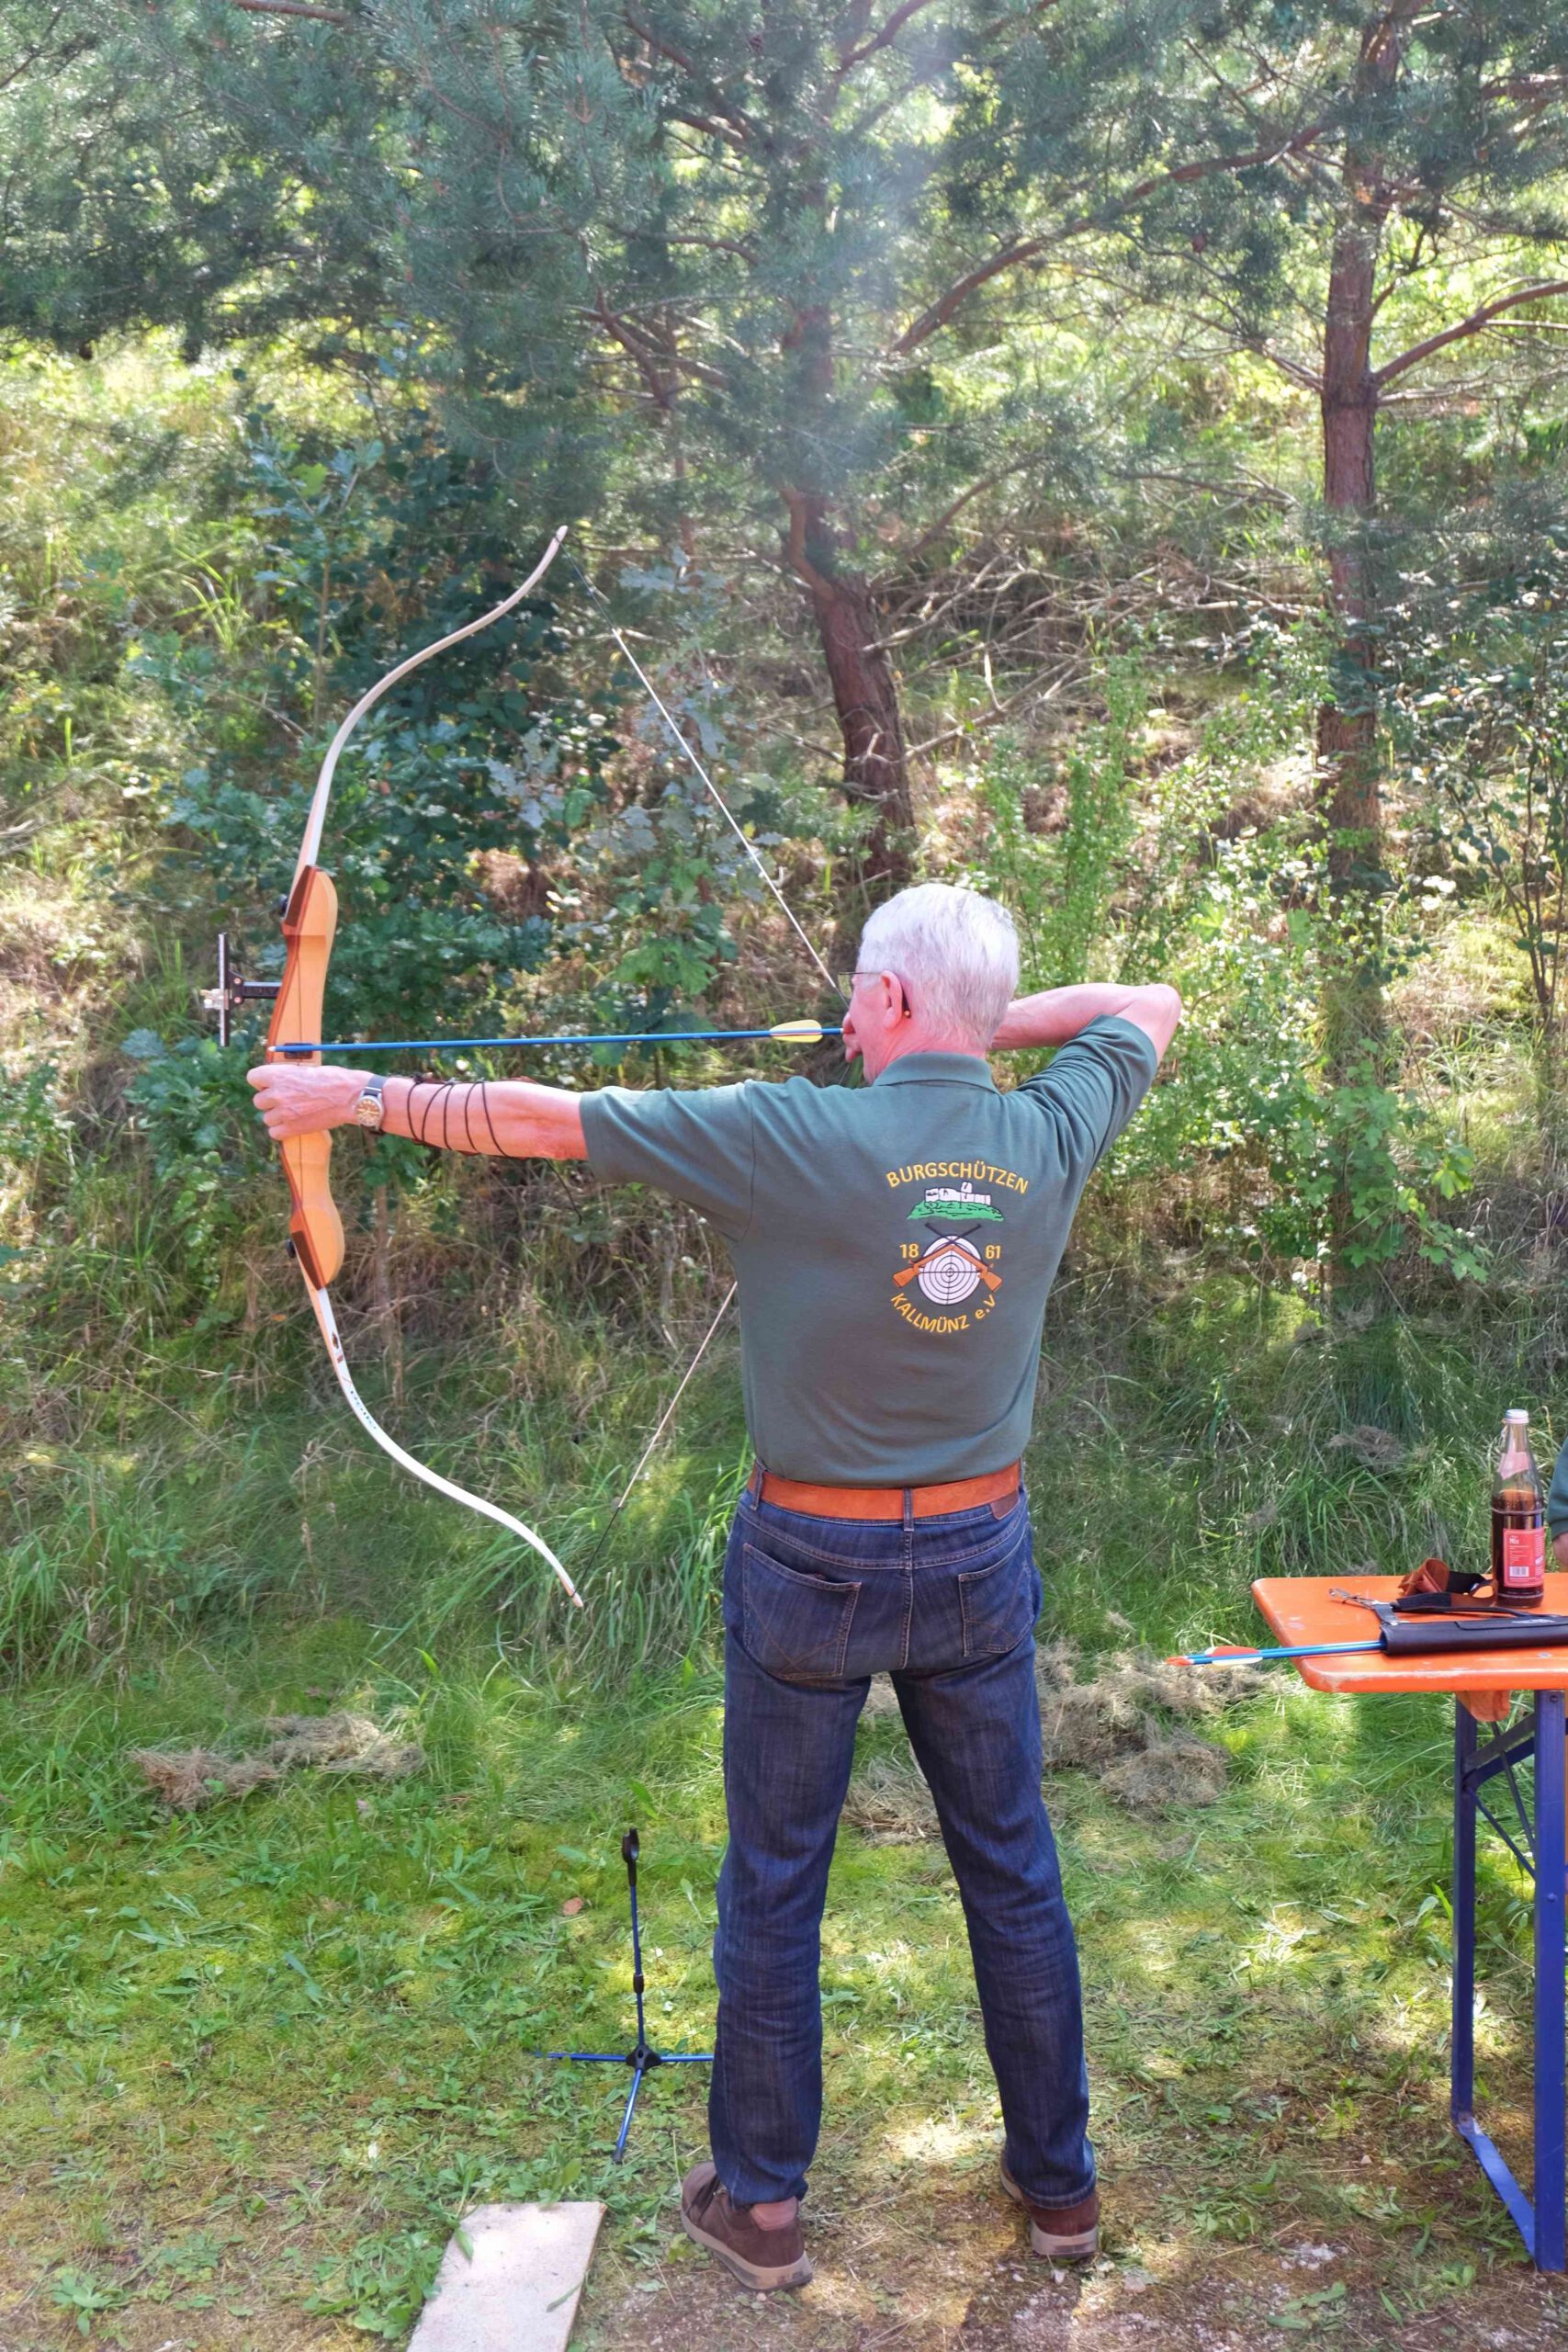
(1081, 2247)
(759, 2277)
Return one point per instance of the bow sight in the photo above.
(231, 991)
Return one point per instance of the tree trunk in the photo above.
(1349, 779)
(865, 692)
(1354, 1016)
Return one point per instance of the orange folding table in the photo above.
(1489, 1749)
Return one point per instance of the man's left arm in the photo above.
(1055, 1016)
(512, 1117)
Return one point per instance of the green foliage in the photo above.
(381, 2285)
(35, 1127)
(1062, 882)
(86, 2295)
(1379, 1145)
(110, 1562)
(197, 1114)
(1481, 706)
(458, 767)
(1111, 874)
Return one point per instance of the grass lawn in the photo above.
(258, 2060)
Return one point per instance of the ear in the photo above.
(892, 1003)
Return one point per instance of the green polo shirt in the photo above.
(894, 1244)
(1557, 1496)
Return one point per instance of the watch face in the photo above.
(368, 1111)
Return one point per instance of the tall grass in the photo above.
(1183, 1447)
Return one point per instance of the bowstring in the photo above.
(679, 737)
(665, 1418)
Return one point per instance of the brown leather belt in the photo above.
(997, 1487)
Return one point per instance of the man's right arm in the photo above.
(1053, 1016)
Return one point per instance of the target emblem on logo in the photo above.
(948, 1272)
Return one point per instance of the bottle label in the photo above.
(1524, 1554)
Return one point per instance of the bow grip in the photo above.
(310, 920)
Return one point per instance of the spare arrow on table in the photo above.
(1413, 1636)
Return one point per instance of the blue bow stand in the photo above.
(642, 2057)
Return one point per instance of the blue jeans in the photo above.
(812, 1608)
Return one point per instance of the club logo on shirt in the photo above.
(955, 1270)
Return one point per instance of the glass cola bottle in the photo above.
(1519, 1520)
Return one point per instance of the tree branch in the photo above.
(1292, 370)
(1028, 249)
(649, 351)
(707, 124)
(1526, 86)
(1245, 486)
(1464, 328)
(293, 9)
(986, 481)
(740, 124)
(30, 57)
(850, 58)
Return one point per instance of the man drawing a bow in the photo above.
(894, 1247)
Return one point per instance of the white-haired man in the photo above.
(894, 1245)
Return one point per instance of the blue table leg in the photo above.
(1461, 2080)
(1540, 1845)
(1551, 1968)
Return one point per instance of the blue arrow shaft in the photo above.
(1262, 1657)
(612, 1037)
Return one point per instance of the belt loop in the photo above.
(908, 1513)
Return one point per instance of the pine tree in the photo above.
(729, 240)
(1354, 194)
(127, 201)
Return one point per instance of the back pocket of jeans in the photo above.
(999, 1603)
(797, 1626)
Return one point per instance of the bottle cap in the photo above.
(1514, 1414)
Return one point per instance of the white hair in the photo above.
(957, 953)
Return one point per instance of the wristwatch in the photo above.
(368, 1110)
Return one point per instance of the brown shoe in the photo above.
(759, 2259)
(1059, 2233)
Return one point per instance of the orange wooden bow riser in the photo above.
(309, 922)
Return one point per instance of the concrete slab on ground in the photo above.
(516, 2290)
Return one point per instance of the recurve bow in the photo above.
(315, 1229)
